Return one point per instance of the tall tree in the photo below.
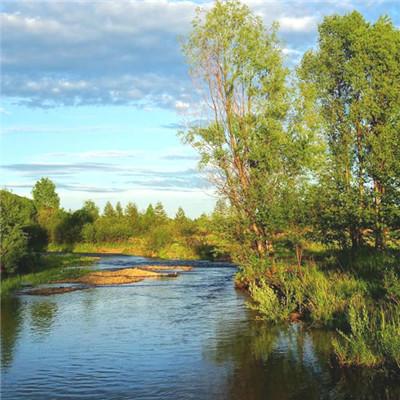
(119, 210)
(356, 75)
(44, 194)
(180, 216)
(21, 236)
(246, 144)
(132, 215)
(159, 212)
(91, 209)
(109, 211)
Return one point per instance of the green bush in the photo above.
(318, 296)
(373, 339)
(268, 304)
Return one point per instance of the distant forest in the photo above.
(33, 226)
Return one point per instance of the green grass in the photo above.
(52, 267)
(362, 304)
(320, 297)
(137, 248)
(373, 339)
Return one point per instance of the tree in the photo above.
(356, 75)
(132, 213)
(91, 209)
(180, 216)
(70, 227)
(118, 210)
(159, 213)
(251, 142)
(44, 195)
(21, 237)
(109, 211)
(132, 218)
(148, 218)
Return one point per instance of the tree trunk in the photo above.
(379, 191)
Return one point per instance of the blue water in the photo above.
(190, 337)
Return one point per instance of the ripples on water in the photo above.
(185, 338)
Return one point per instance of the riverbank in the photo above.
(133, 248)
(49, 268)
(361, 304)
(123, 341)
(70, 269)
(118, 277)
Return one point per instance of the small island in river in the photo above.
(106, 278)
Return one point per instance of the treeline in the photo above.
(308, 162)
(313, 154)
(29, 227)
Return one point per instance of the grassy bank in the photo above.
(361, 304)
(137, 248)
(51, 267)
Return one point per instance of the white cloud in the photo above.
(297, 24)
(127, 51)
(4, 111)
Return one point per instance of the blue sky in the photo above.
(93, 93)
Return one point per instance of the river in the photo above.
(190, 337)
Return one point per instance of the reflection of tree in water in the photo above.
(289, 362)
(11, 319)
(42, 316)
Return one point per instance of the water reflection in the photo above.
(42, 315)
(11, 319)
(291, 362)
(187, 338)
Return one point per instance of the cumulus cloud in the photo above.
(81, 52)
(297, 24)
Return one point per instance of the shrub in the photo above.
(269, 304)
(374, 337)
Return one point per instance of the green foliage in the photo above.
(270, 305)
(69, 228)
(90, 208)
(374, 337)
(159, 237)
(261, 144)
(49, 268)
(44, 194)
(317, 296)
(109, 211)
(21, 237)
(391, 283)
(14, 248)
(356, 77)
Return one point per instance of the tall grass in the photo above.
(319, 297)
(269, 304)
(373, 339)
(137, 247)
(362, 304)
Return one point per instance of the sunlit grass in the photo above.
(51, 267)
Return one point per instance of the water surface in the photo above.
(190, 337)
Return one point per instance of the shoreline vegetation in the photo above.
(307, 168)
(55, 269)
(49, 268)
(307, 163)
(133, 248)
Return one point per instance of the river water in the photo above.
(190, 337)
